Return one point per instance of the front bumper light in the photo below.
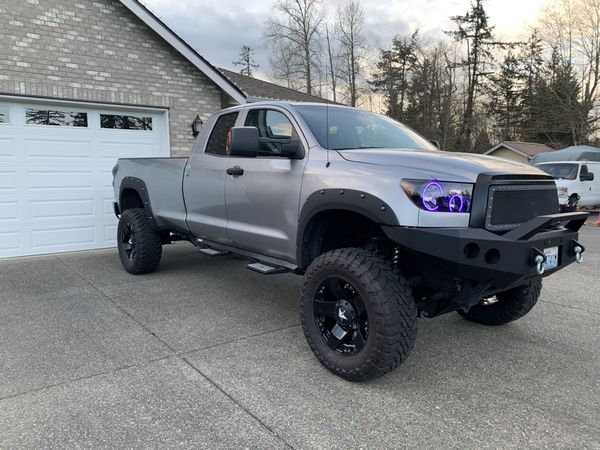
(439, 196)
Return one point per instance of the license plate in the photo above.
(551, 258)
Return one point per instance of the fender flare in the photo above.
(351, 200)
(139, 186)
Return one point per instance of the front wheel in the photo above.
(505, 306)
(139, 244)
(358, 314)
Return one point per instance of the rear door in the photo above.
(262, 204)
(586, 186)
(204, 182)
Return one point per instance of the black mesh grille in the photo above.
(510, 206)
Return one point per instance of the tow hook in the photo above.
(539, 259)
(578, 249)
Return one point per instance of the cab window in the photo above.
(272, 126)
(217, 142)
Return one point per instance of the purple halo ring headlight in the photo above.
(431, 194)
(456, 203)
(439, 196)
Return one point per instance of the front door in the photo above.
(263, 202)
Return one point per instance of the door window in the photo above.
(217, 142)
(271, 125)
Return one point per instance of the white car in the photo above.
(575, 177)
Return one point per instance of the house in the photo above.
(254, 89)
(522, 152)
(83, 83)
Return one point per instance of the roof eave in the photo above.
(509, 147)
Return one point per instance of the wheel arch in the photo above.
(354, 212)
(133, 193)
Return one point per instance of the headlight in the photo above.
(563, 191)
(439, 196)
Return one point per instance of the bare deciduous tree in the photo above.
(297, 23)
(572, 28)
(350, 21)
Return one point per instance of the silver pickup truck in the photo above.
(383, 225)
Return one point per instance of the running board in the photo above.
(265, 269)
(212, 252)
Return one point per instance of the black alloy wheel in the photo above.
(358, 313)
(128, 242)
(139, 243)
(341, 316)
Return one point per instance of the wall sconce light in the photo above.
(197, 125)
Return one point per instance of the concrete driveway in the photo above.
(206, 354)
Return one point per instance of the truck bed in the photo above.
(164, 179)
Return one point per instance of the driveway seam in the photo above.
(230, 397)
(116, 305)
(240, 339)
(86, 377)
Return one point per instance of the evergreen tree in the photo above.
(392, 78)
(246, 60)
(474, 30)
(505, 98)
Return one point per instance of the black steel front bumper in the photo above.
(498, 261)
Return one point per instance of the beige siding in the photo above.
(97, 50)
(505, 153)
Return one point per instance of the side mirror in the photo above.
(292, 149)
(436, 143)
(586, 177)
(242, 141)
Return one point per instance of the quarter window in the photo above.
(218, 137)
(56, 118)
(114, 121)
(271, 125)
(4, 118)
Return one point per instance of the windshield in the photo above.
(564, 170)
(338, 128)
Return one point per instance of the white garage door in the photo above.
(56, 165)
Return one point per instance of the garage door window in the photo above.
(114, 121)
(56, 118)
(4, 114)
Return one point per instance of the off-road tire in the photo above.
(390, 307)
(511, 305)
(148, 243)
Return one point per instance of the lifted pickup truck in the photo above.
(383, 225)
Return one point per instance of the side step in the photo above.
(211, 251)
(265, 269)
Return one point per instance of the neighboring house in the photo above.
(83, 83)
(256, 90)
(522, 152)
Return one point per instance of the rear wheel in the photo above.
(139, 244)
(358, 314)
(506, 306)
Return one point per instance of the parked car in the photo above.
(581, 178)
(383, 225)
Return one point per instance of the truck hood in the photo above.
(440, 164)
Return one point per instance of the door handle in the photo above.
(236, 171)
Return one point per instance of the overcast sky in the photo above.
(218, 28)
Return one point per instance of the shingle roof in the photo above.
(255, 89)
(525, 148)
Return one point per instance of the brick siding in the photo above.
(97, 50)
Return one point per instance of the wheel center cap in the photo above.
(344, 313)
